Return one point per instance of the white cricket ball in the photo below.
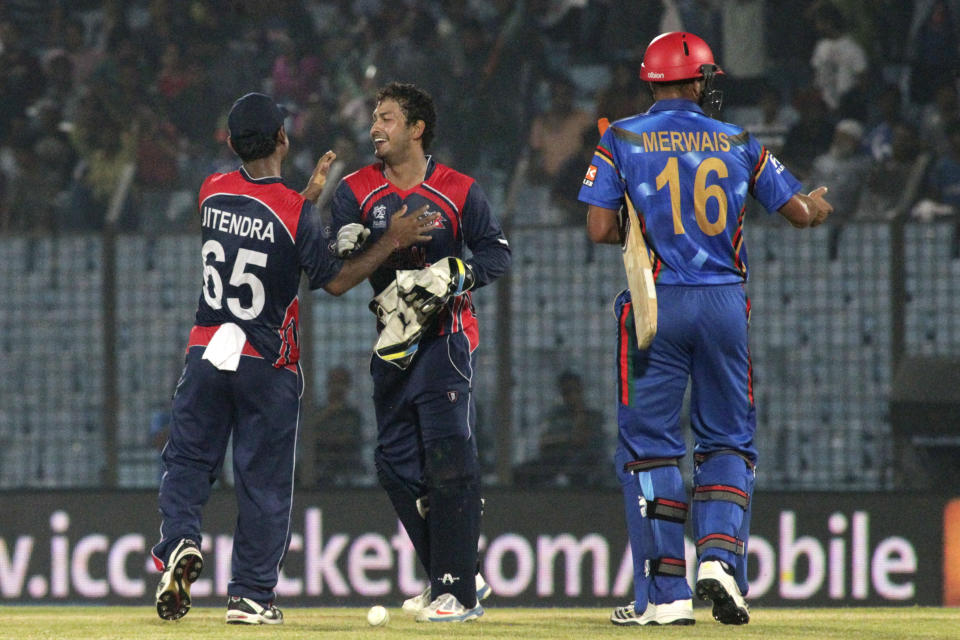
(378, 616)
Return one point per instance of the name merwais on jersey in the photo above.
(238, 225)
(683, 141)
(676, 141)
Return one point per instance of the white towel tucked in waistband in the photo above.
(225, 346)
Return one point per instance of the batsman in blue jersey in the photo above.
(242, 374)
(423, 368)
(688, 176)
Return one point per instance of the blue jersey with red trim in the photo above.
(688, 176)
(466, 222)
(258, 235)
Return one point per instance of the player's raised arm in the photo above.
(809, 210)
(404, 230)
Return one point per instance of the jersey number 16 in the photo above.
(702, 192)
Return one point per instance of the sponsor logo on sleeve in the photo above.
(591, 176)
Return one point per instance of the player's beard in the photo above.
(393, 151)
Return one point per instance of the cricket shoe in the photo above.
(446, 608)
(678, 612)
(247, 611)
(182, 570)
(416, 603)
(714, 582)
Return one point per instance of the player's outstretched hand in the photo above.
(822, 208)
(318, 179)
(406, 230)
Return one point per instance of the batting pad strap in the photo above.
(699, 458)
(669, 567)
(722, 492)
(720, 541)
(664, 509)
(636, 466)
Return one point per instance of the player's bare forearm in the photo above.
(603, 226)
(318, 180)
(403, 231)
(809, 210)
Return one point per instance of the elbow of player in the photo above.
(336, 287)
(600, 234)
(595, 235)
(602, 226)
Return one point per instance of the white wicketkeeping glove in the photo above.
(427, 290)
(351, 237)
(402, 329)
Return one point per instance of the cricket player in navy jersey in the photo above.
(242, 375)
(688, 176)
(426, 455)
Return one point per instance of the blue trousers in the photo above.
(259, 405)
(701, 336)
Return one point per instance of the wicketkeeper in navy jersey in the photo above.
(423, 366)
(242, 375)
(688, 177)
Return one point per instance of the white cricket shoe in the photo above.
(416, 603)
(483, 589)
(181, 571)
(247, 611)
(446, 608)
(678, 612)
(715, 583)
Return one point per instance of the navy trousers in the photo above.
(259, 405)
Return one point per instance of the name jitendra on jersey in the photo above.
(688, 176)
(257, 237)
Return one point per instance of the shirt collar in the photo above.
(431, 165)
(676, 104)
(264, 180)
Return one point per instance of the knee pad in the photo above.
(656, 505)
(723, 489)
(450, 461)
(405, 496)
(453, 488)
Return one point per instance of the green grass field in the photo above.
(206, 623)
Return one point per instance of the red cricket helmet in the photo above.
(676, 55)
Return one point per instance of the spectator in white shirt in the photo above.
(838, 59)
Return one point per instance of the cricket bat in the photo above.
(636, 262)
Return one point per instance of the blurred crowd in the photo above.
(858, 95)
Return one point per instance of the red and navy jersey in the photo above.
(258, 235)
(465, 223)
(688, 176)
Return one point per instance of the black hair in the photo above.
(416, 104)
(254, 146)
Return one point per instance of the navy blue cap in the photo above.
(255, 113)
